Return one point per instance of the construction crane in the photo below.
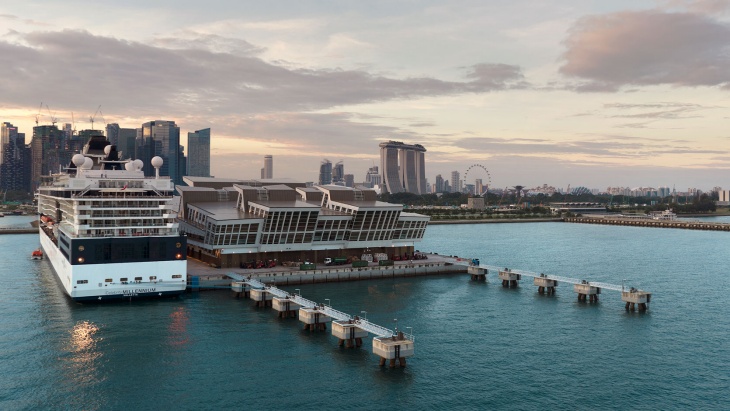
(91, 118)
(38, 116)
(73, 123)
(54, 120)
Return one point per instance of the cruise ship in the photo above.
(109, 232)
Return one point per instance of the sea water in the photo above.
(478, 345)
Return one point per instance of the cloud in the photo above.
(205, 73)
(647, 48)
(607, 148)
(698, 6)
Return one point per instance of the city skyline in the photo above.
(537, 93)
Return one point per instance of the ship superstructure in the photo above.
(109, 231)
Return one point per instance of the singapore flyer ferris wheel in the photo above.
(478, 175)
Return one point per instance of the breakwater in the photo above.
(636, 222)
(18, 231)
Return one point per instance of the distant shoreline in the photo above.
(495, 221)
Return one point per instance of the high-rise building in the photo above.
(325, 172)
(126, 143)
(112, 133)
(15, 167)
(455, 182)
(447, 187)
(373, 178)
(338, 172)
(403, 167)
(349, 180)
(199, 153)
(6, 129)
(46, 152)
(268, 170)
(439, 187)
(166, 137)
(478, 187)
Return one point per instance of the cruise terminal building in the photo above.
(231, 222)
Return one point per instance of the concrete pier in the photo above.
(477, 273)
(683, 224)
(587, 292)
(314, 319)
(348, 333)
(545, 285)
(509, 279)
(260, 296)
(635, 299)
(285, 306)
(394, 349)
(241, 289)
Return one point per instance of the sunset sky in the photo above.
(586, 93)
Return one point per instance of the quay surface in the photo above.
(210, 278)
(634, 222)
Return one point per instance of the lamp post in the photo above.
(622, 284)
(299, 292)
(410, 331)
(365, 317)
(329, 302)
(396, 325)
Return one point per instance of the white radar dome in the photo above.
(157, 161)
(78, 159)
(138, 164)
(129, 166)
(88, 163)
(108, 149)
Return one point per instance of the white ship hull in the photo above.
(170, 277)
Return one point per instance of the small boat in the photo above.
(37, 255)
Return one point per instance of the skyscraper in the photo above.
(46, 152)
(112, 133)
(199, 153)
(439, 183)
(455, 182)
(373, 178)
(338, 172)
(126, 143)
(15, 167)
(166, 137)
(325, 172)
(403, 167)
(349, 180)
(268, 166)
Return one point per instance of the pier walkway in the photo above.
(546, 283)
(387, 344)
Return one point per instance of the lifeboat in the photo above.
(37, 255)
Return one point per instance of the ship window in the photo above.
(153, 277)
(108, 280)
(123, 279)
(137, 278)
(177, 276)
(82, 282)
